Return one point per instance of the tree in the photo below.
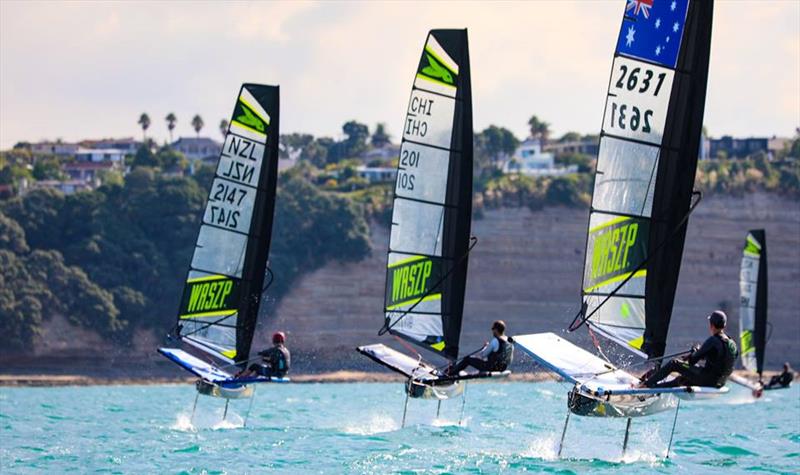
(223, 127)
(539, 129)
(171, 120)
(144, 123)
(294, 143)
(570, 137)
(356, 142)
(145, 157)
(316, 153)
(380, 137)
(197, 124)
(498, 142)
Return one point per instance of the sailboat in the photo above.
(220, 302)
(753, 309)
(641, 203)
(430, 232)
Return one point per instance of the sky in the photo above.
(76, 70)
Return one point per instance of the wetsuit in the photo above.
(783, 380)
(498, 355)
(719, 353)
(275, 362)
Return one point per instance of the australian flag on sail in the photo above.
(652, 30)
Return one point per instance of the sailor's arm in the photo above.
(704, 350)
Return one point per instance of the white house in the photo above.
(377, 174)
(99, 155)
(528, 159)
(198, 148)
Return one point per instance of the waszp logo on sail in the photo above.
(208, 296)
(411, 280)
(617, 249)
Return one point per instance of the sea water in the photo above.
(356, 428)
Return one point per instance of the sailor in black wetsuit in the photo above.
(719, 352)
(783, 380)
(495, 355)
(275, 361)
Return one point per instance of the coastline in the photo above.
(345, 376)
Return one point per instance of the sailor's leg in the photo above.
(627, 434)
(663, 372)
(405, 409)
(194, 407)
(563, 434)
(672, 432)
(225, 414)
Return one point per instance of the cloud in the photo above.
(77, 70)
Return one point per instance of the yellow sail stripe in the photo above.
(445, 63)
(611, 222)
(206, 278)
(413, 301)
(439, 83)
(253, 109)
(248, 128)
(216, 313)
(637, 342)
(621, 277)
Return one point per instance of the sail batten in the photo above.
(645, 170)
(429, 238)
(220, 301)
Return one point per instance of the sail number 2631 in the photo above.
(624, 118)
(641, 82)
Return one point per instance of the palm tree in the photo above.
(539, 129)
(197, 124)
(380, 137)
(171, 119)
(144, 121)
(223, 127)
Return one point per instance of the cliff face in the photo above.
(526, 270)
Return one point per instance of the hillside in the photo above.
(526, 270)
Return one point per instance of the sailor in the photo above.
(718, 351)
(496, 354)
(783, 380)
(275, 361)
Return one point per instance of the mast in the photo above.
(646, 167)
(753, 302)
(220, 302)
(427, 259)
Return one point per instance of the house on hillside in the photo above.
(529, 159)
(126, 145)
(198, 148)
(97, 155)
(54, 148)
(584, 146)
(377, 174)
(387, 152)
(88, 171)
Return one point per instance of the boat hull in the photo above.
(207, 388)
(584, 404)
(420, 390)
